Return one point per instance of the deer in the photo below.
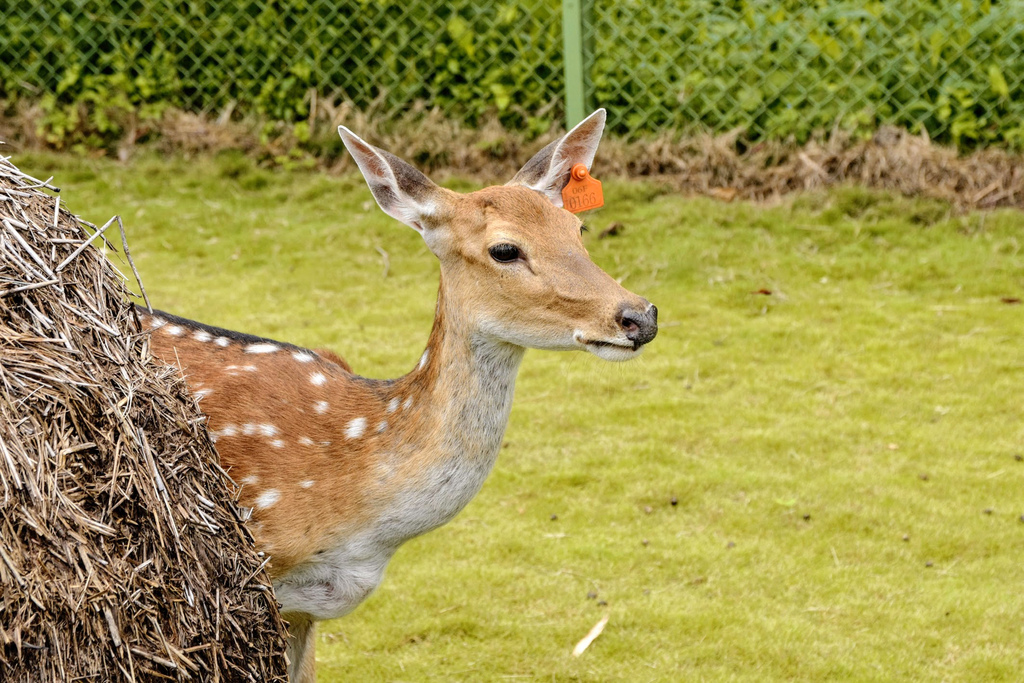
(339, 470)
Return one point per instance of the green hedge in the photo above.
(791, 67)
(772, 68)
(264, 58)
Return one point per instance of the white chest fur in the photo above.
(335, 581)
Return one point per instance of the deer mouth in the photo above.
(632, 346)
(610, 350)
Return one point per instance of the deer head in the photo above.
(513, 264)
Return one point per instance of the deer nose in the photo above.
(641, 326)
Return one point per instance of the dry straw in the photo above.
(122, 554)
(891, 160)
(720, 166)
(723, 165)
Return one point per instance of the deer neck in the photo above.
(466, 380)
(461, 395)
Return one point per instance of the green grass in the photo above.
(842, 450)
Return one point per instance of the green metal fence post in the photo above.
(572, 42)
(589, 31)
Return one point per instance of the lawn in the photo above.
(813, 473)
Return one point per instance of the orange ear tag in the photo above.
(583, 191)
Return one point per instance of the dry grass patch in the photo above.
(724, 166)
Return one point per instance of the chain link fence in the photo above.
(771, 68)
(267, 56)
(775, 69)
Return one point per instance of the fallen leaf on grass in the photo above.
(612, 230)
(1010, 300)
(590, 637)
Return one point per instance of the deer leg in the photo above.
(301, 649)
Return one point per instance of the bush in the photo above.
(789, 68)
(101, 71)
(99, 67)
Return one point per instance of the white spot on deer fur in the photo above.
(228, 430)
(382, 426)
(302, 356)
(393, 404)
(202, 393)
(277, 443)
(267, 498)
(305, 441)
(321, 407)
(318, 379)
(355, 428)
(306, 484)
(157, 323)
(252, 429)
(202, 336)
(175, 330)
(250, 368)
(407, 404)
(261, 348)
(249, 480)
(222, 341)
(423, 360)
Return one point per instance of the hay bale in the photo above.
(122, 555)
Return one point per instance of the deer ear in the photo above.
(402, 191)
(548, 171)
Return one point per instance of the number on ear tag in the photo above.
(583, 191)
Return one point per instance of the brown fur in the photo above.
(332, 357)
(280, 393)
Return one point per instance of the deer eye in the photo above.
(504, 253)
